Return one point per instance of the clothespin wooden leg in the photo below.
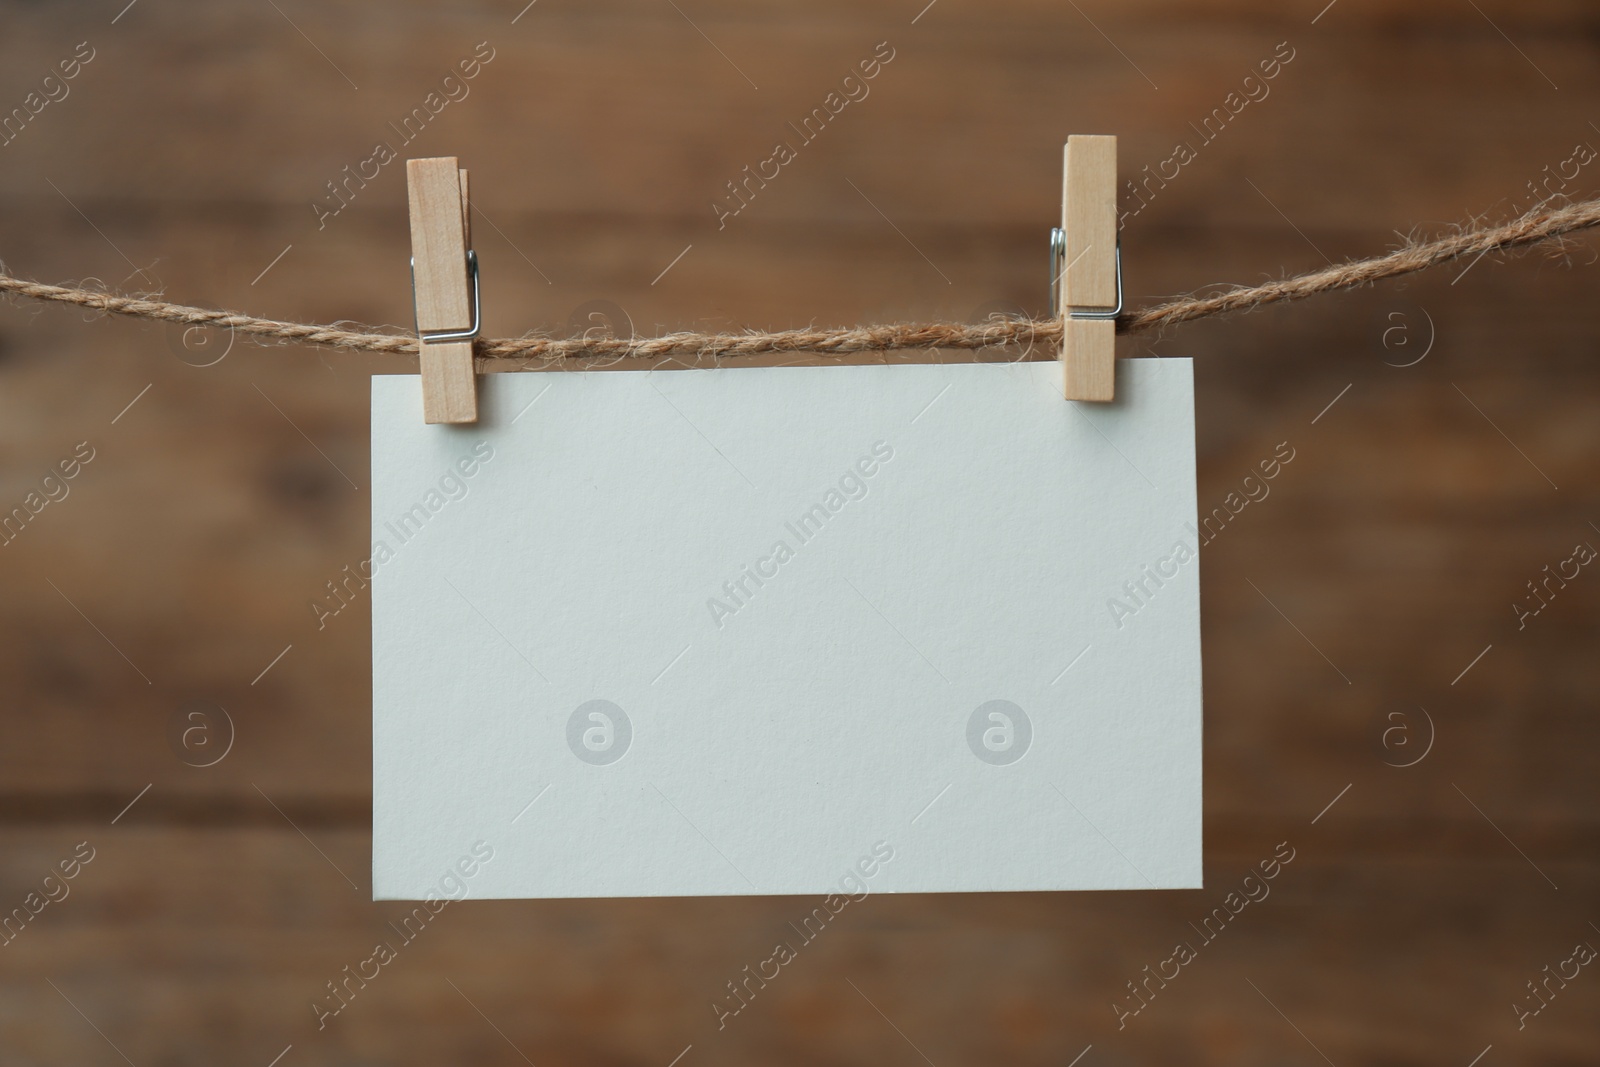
(444, 284)
(1090, 284)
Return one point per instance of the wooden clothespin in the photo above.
(1086, 264)
(444, 285)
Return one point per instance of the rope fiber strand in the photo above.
(1541, 223)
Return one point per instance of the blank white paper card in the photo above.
(918, 628)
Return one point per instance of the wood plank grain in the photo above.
(211, 153)
(249, 926)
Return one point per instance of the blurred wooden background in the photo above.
(186, 157)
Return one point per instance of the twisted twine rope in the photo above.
(1543, 222)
